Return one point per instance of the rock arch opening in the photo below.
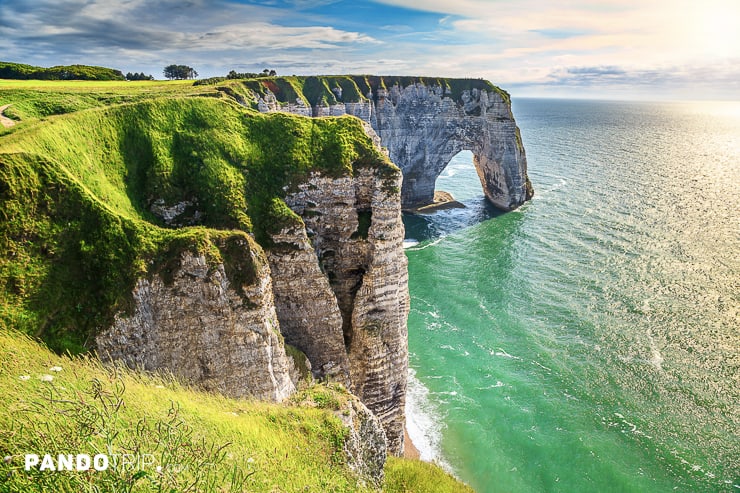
(459, 178)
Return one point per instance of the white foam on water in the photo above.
(417, 247)
(410, 242)
(424, 422)
(504, 354)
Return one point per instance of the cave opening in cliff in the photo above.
(461, 202)
(459, 179)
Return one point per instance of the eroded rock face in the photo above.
(424, 129)
(349, 315)
(306, 305)
(202, 330)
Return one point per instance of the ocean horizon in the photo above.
(587, 341)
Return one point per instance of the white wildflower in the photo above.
(25, 377)
(250, 461)
(55, 368)
(8, 459)
(159, 469)
(46, 378)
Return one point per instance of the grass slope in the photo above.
(201, 442)
(77, 178)
(75, 193)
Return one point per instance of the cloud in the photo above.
(542, 44)
(116, 30)
(661, 76)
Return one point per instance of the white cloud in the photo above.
(528, 43)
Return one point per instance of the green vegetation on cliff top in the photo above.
(76, 190)
(9, 70)
(332, 89)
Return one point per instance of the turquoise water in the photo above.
(590, 341)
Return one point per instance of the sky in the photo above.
(614, 49)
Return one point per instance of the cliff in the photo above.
(193, 236)
(423, 123)
(239, 250)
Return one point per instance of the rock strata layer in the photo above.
(341, 288)
(198, 327)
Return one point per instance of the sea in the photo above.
(588, 341)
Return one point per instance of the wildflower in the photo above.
(46, 378)
(250, 461)
(25, 377)
(8, 459)
(159, 469)
(159, 386)
(55, 368)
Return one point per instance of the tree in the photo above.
(180, 72)
(138, 76)
(233, 74)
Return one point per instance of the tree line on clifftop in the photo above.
(11, 70)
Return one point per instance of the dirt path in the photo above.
(4, 120)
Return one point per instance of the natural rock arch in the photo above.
(423, 123)
(423, 129)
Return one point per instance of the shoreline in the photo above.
(409, 449)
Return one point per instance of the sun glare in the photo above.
(719, 27)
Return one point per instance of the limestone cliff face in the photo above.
(341, 288)
(199, 327)
(334, 285)
(424, 124)
(424, 129)
(366, 446)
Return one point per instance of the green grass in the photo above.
(203, 441)
(33, 99)
(414, 476)
(76, 191)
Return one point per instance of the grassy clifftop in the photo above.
(78, 177)
(333, 89)
(76, 191)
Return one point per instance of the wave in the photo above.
(410, 242)
(424, 422)
(415, 247)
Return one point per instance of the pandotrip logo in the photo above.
(87, 462)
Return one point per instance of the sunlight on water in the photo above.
(588, 341)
